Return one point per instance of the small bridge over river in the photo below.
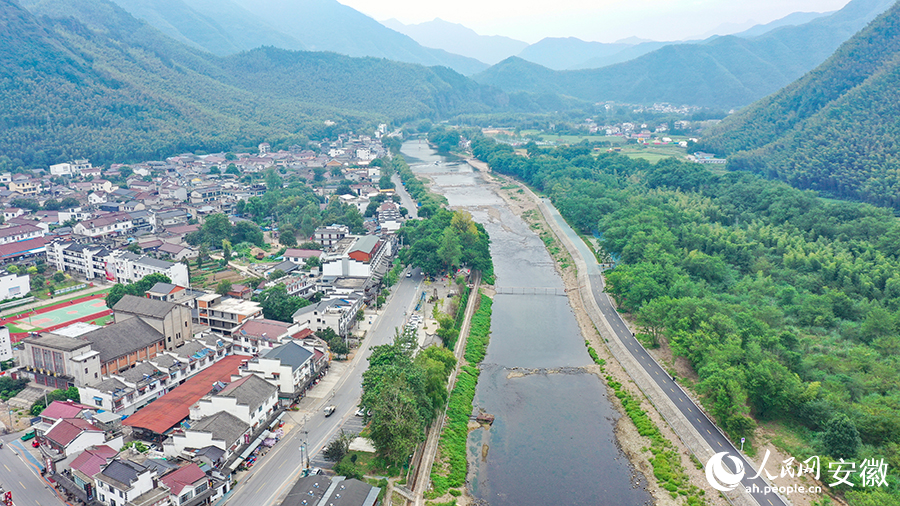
(530, 290)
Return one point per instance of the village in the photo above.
(184, 383)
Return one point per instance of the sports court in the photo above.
(57, 316)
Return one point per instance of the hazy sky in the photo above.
(599, 20)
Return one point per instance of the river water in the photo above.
(552, 441)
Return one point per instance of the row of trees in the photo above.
(404, 394)
(784, 303)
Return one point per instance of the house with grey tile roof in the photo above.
(222, 430)
(125, 343)
(250, 398)
(170, 319)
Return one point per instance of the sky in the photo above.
(594, 20)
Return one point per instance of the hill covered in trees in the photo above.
(785, 304)
(724, 72)
(88, 79)
(835, 130)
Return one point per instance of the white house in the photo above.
(339, 314)
(289, 366)
(251, 399)
(13, 285)
(5, 345)
(123, 481)
(222, 430)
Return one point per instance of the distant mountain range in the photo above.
(557, 53)
(88, 79)
(458, 39)
(723, 72)
(225, 27)
(835, 130)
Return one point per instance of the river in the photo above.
(552, 441)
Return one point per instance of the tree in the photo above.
(338, 447)
(233, 170)
(450, 249)
(52, 205)
(223, 287)
(385, 183)
(226, 249)
(59, 277)
(246, 231)
(396, 426)
(278, 305)
(138, 288)
(214, 170)
(841, 439)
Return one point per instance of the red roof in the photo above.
(180, 478)
(66, 430)
(14, 249)
(92, 460)
(63, 409)
(256, 327)
(303, 334)
(170, 409)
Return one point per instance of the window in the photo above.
(85, 370)
(98, 402)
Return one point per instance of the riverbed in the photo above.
(553, 440)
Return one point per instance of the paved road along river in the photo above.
(552, 441)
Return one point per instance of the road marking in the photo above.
(691, 410)
(672, 389)
(698, 421)
(7, 468)
(23, 485)
(770, 502)
(681, 399)
(657, 372)
(708, 432)
(720, 443)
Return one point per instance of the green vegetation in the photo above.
(278, 305)
(217, 229)
(827, 131)
(10, 387)
(336, 343)
(785, 304)
(428, 202)
(70, 393)
(404, 395)
(86, 78)
(137, 288)
(445, 241)
(450, 470)
(139, 446)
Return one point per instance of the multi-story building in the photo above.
(88, 260)
(172, 320)
(205, 194)
(251, 399)
(127, 391)
(125, 344)
(338, 314)
(223, 314)
(105, 225)
(73, 168)
(25, 186)
(6, 352)
(60, 362)
(328, 236)
(257, 335)
(290, 366)
(127, 267)
(16, 233)
(361, 259)
(123, 481)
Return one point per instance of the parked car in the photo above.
(329, 410)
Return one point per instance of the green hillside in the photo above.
(725, 72)
(834, 130)
(102, 84)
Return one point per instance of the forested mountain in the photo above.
(100, 83)
(793, 19)
(563, 53)
(724, 72)
(224, 27)
(835, 130)
(458, 39)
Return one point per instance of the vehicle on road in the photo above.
(409, 274)
(329, 410)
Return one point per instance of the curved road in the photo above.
(710, 433)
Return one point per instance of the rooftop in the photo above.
(290, 353)
(66, 430)
(170, 409)
(144, 306)
(223, 426)
(56, 342)
(180, 478)
(122, 338)
(251, 391)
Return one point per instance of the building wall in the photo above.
(5, 345)
(12, 285)
(126, 361)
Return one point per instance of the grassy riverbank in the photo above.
(449, 471)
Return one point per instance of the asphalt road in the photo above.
(20, 476)
(275, 473)
(405, 200)
(698, 419)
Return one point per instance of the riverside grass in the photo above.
(450, 471)
(666, 462)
